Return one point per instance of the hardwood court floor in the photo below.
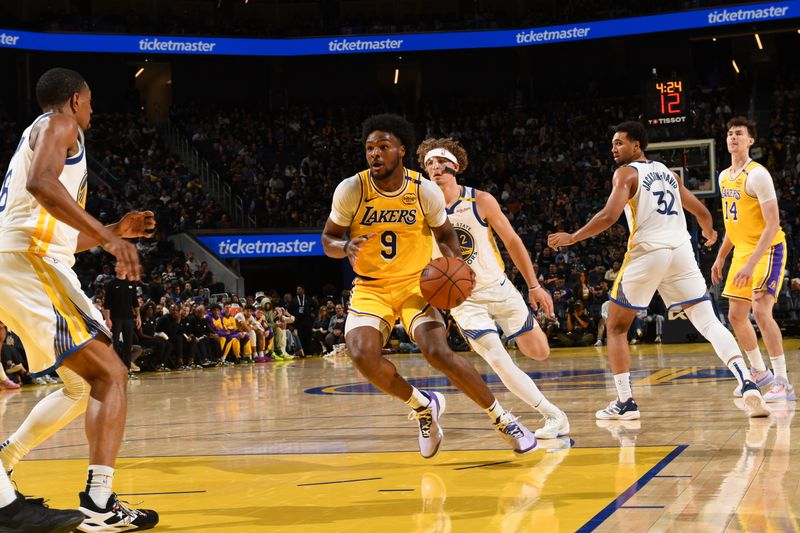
(308, 446)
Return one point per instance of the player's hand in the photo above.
(556, 240)
(138, 322)
(716, 271)
(744, 278)
(710, 236)
(542, 299)
(135, 224)
(354, 246)
(128, 266)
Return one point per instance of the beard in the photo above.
(384, 173)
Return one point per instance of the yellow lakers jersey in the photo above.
(403, 242)
(744, 221)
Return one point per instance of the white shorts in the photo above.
(43, 303)
(499, 304)
(671, 271)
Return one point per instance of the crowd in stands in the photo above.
(548, 166)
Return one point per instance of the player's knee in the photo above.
(75, 387)
(737, 315)
(534, 346)
(438, 355)
(616, 327)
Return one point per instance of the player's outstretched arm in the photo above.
(51, 144)
(132, 225)
(490, 209)
(623, 186)
(700, 212)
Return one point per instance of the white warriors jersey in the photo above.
(476, 239)
(655, 213)
(25, 226)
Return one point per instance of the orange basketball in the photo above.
(446, 282)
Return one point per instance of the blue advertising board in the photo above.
(150, 44)
(257, 246)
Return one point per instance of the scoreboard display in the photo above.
(666, 107)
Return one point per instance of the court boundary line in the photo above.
(631, 491)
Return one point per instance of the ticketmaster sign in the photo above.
(411, 42)
(255, 246)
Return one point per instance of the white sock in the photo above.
(738, 368)
(495, 411)
(756, 359)
(779, 366)
(419, 400)
(623, 383)
(7, 494)
(518, 382)
(98, 484)
(52, 413)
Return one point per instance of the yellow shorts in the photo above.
(767, 276)
(379, 303)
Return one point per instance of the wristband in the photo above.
(346, 245)
(534, 288)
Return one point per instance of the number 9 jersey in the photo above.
(655, 213)
(402, 221)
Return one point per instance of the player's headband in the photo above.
(440, 152)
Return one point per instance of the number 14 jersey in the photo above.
(655, 213)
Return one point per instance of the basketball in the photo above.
(446, 282)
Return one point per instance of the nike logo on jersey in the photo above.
(368, 200)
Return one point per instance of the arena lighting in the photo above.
(396, 75)
(735, 66)
(714, 39)
(139, 72)
(758, 42)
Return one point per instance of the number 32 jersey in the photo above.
(655, 213)
(402, 221)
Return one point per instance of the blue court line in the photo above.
(620, 500)
(335, 482)
(664, 475)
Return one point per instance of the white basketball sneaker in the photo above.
(781, 391)
(517, 436)
(430, 432)
(756, 406)
(761, 378)
(554, 426)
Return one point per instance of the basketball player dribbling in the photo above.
(42, 225)
(392, 215)
(659, 257)
(476, 215)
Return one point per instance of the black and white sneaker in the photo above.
(24, 516)
(617, 410)
(115, 517)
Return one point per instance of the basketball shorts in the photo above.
(497, 304)
(43, 303)
(673, 272)
(767, 276)
(379, 303)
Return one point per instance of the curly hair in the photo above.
(391, 123)
(449, 144)
(743, 121)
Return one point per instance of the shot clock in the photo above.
(666, 107)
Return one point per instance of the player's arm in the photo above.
(447, 239)
(133, 225)
(345, 202)
(622, 186)
(51, 145)
(490, 209)
(719, 263)
(700, 212)
(433, 206)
